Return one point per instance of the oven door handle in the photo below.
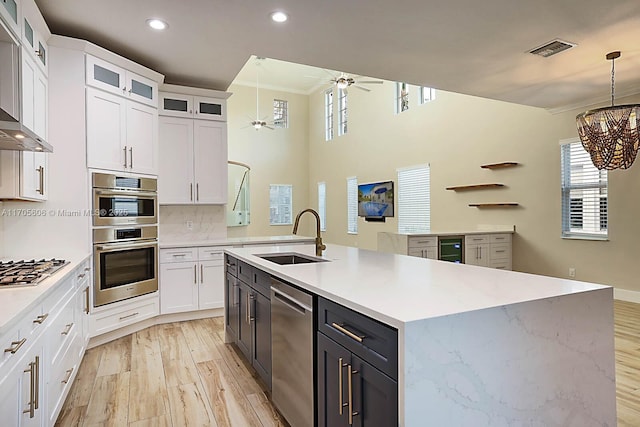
(132, 193)
(126, 245)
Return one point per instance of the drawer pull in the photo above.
(15, 346)
(129, 316)
(68, 377)
(87, 269)
(67, 329)
(81, 276)
(41, 318)
(499, 252)
(347, 332)
(179, 255)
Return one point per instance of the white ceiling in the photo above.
(465, 46)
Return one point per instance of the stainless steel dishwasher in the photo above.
(292, 353)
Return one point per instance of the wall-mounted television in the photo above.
(375, 200)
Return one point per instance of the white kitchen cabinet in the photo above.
(191, 279)
(421, 246)
(10, 12)
(193, 161)
(34, 43)
(476, 250)
(119, 81)
(488, 250)
(34, 96)
(123, 313)
(24, 175)
(193, 107)
(122, 135)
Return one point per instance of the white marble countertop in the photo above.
(230, 241)
(18, 301)
(398, 289)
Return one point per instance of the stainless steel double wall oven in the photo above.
(125, 237)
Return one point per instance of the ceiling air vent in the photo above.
(551, 48)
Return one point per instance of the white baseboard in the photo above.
(626, 295)
(163, 318)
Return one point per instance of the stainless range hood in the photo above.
(13, 134)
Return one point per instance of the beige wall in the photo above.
(456, 134)
(279, 156)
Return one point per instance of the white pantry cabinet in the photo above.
(193, 107)
(24, 175)
(122, 135)
(193, 161)
(191, 279)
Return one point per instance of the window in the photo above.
(414, 204)
(280, 113)
(584, 194)
(280, 204)
(328, 115)
(342, 115)
(427, 94)
(402, 97)
(322, 205)
(352, 205)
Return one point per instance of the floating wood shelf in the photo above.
(492, 205)
(500, 165)
(474, 187)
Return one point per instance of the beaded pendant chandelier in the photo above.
(610, 134)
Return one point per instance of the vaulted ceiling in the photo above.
(464, 46)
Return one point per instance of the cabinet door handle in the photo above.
(131, 157)
(125, 154)
(86, 309)
(197, 192)
(41, 318)
(32, 385)
(15, 346)
(350, 403)
(350, 334)
(191, 191)
(252, 308)
(247, 309)
(341, 404)
(195, 274)
(67, 329)
(40, 189)
(37, 383)
(68, 377)
(201, 274)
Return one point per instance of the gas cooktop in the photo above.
(18, 274)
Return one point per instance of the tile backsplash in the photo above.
(185, 223)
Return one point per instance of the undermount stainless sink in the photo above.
(290, 258)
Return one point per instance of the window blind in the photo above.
(352, 205)
(322, 205)
(414, 204)
(584, 194)
(280, 204)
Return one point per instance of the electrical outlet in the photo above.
(572, 272)
(189, 225)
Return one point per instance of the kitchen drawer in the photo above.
(178, 255)
(500, 238)
(245, 272)
(124, 314)
(474, 239)
(500, 251)
(379, 342)
(501, 264)
(12, 346)
(261, 282)
(430, 253)
(212, 253)
(423, 242)
(61, 377)
(232, 265)
(62, 329)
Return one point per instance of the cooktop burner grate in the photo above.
(14, 274)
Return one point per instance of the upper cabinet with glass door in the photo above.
(10, 13)
(111, 78)
(193, 107)
(35, 44)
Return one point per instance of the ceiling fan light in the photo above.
(257, 125)
(342, 84)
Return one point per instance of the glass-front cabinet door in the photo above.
(35, 44)
(106, 76)
(176, 105)
(142, 89)
(210, 109)
(10, 12)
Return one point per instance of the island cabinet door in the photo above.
(333, 399)
(244, 325)
(374, 396)
(232, 306)
(261, 315)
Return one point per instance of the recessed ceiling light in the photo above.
(157, 24)
(19, 136)
(279, 17)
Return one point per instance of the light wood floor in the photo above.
(182, 374)
(177, 374)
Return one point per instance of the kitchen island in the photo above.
(475, 346)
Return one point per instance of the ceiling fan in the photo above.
(345, 81)
(259, 123)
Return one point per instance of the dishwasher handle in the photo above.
(290, 301)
